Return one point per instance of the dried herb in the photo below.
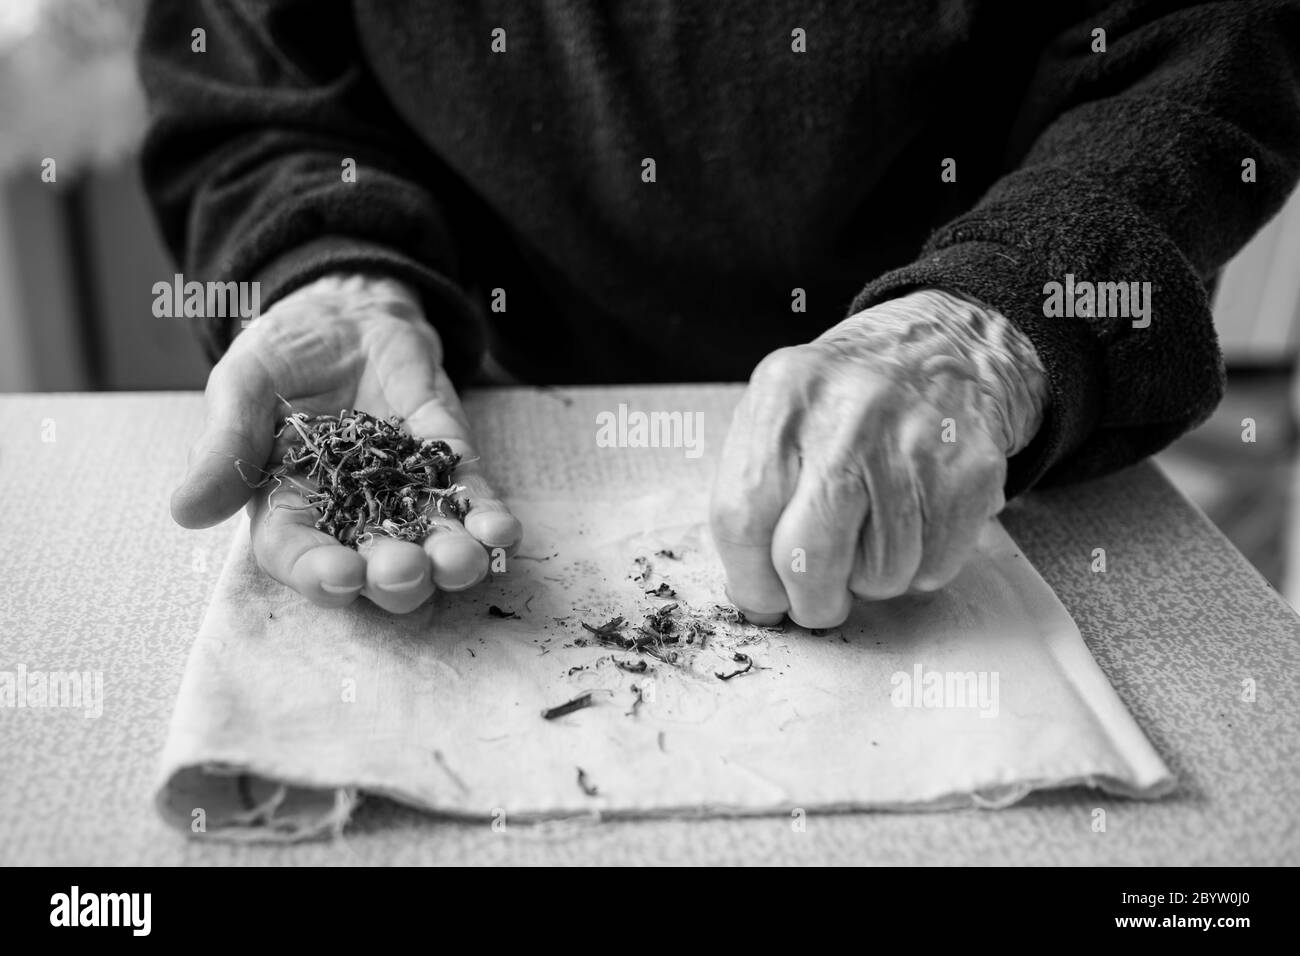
(666, 657)
(636, 699)
(660, 620)
(697, 630)
(730, 615)
(656, 631)
(663, 591)
(671, 634)
(371, 476)
(568, 707)
(587, 787)
(609, 629)
(442, 762)
(642, 570)
(498, 612)
(733, 615)
(665, 553)
(739, 658)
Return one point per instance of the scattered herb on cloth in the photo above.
(568, 707)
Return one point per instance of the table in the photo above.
(96, 577)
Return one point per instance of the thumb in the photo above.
(228, 458)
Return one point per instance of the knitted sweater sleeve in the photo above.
(1148, 152)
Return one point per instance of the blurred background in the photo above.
(79, 257)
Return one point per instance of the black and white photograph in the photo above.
(620, 433)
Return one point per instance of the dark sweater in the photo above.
(775, 170)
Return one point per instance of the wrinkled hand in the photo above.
(340, 342)
(865, 463)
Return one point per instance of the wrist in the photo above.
(361, 293)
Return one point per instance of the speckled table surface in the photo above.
(96, 577)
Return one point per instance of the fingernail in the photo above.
(457, 580)
(399, 586)
(458, 562)
(339, 588)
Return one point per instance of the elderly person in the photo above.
(868, 208)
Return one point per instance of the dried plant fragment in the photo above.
(370, 476)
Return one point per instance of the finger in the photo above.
(756, 475)
(459, 561)
(226, 460)
(889, 549)
(292, 550)
(427, 400)
(399, 574)
(955, 511)
(488, 518)
(814, 548)
(945, 554)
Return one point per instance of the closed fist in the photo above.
(864, 464)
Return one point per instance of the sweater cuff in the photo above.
(995, 275)
(448, 309)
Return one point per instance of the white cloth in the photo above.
(287, 712)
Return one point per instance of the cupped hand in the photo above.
(865, 463)
(342, 342)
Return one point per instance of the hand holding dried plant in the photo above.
(346, 343)
(865, 463)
